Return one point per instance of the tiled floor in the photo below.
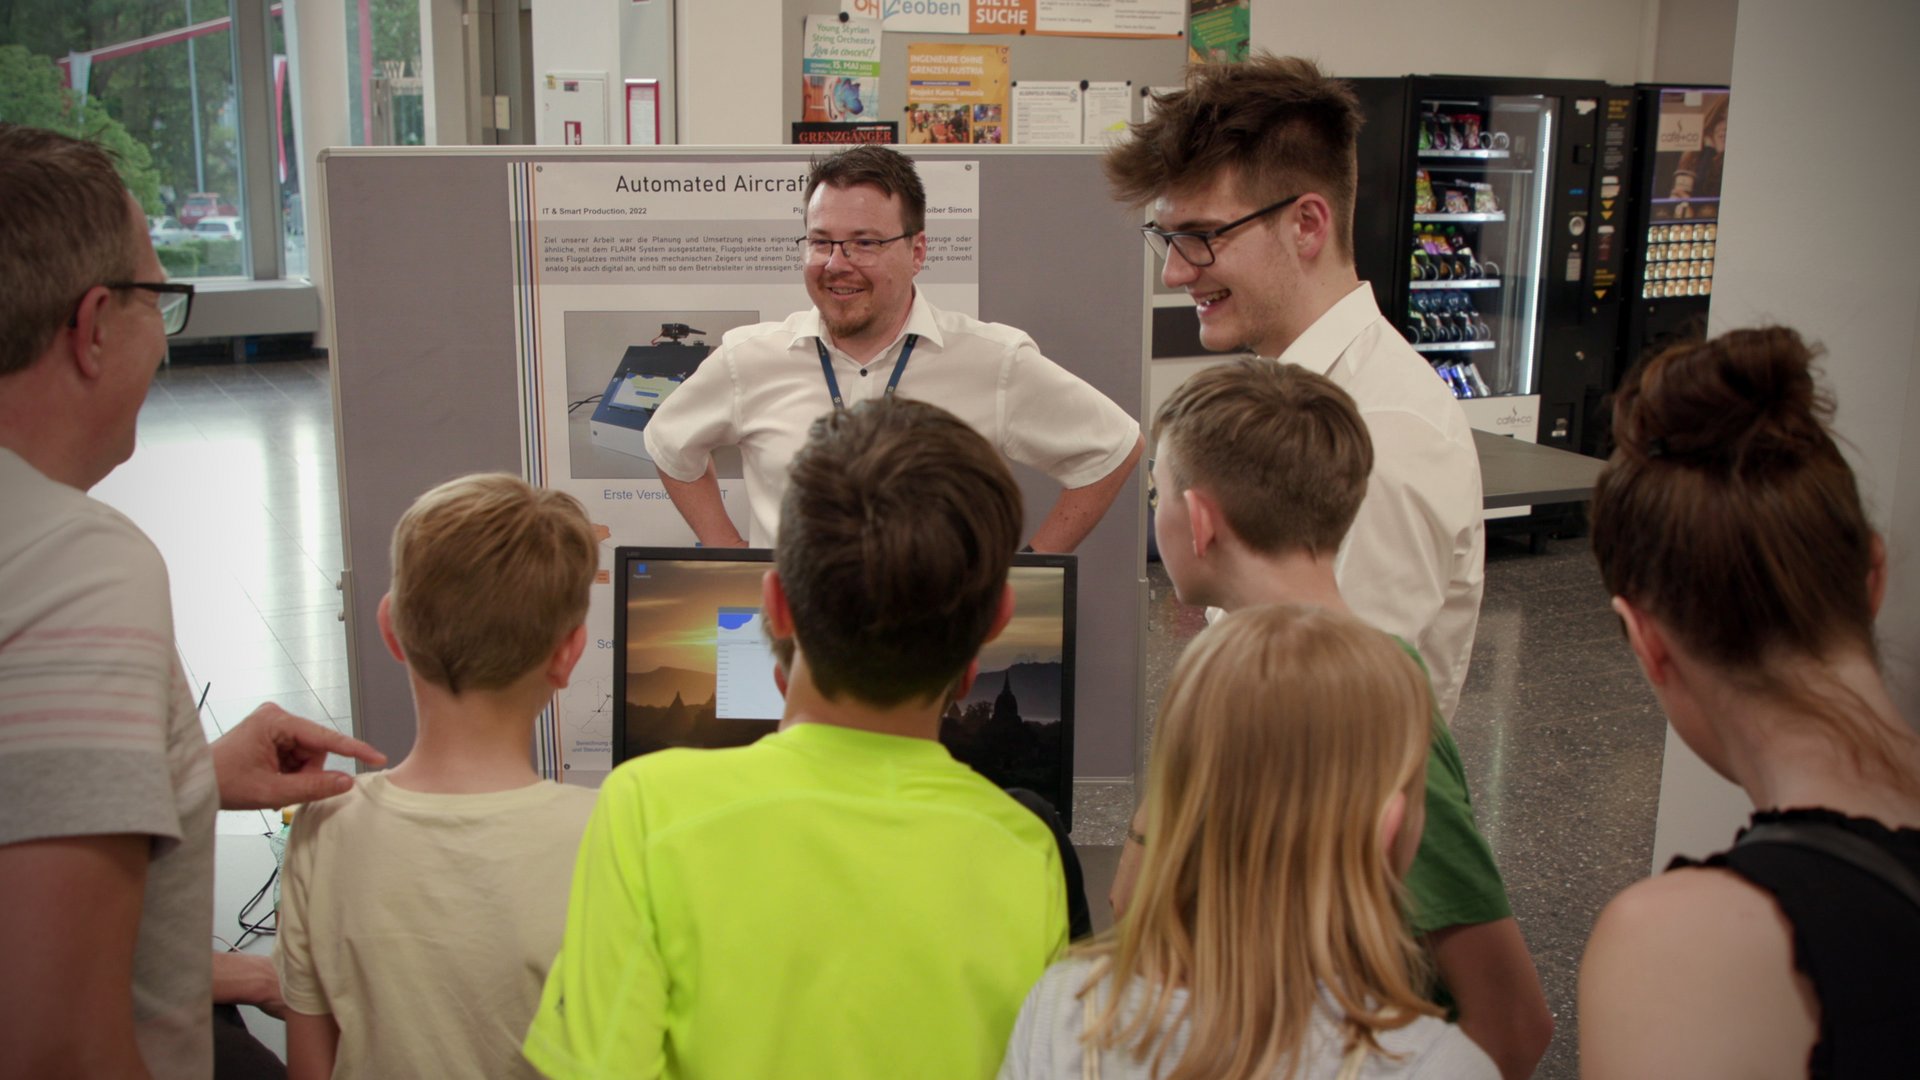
(235, 480)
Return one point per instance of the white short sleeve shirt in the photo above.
(762, 389)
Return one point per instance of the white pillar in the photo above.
(1813, 235)
(317, 40)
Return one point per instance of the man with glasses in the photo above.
(107, 785)
(871, 334)
(1251, 170)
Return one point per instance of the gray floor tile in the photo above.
(327, 646)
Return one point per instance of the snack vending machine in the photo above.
(1681, 148)
(1491, 222)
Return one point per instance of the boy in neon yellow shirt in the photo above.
(841, 898)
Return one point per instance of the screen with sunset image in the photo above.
(695, 667)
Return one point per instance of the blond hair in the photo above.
(1285, 733)
(489, 574)
(1283, 450)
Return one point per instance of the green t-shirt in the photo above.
(1453, 880)
(824, 902)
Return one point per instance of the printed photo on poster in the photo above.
(621, 366)
(1690, 154)
(939, 123)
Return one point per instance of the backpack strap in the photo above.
(1837, 843)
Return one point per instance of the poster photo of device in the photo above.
(623, 365)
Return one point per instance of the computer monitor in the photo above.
(692, 666)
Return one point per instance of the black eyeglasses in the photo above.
(860, 249)
(1197, 247)
(176, 302)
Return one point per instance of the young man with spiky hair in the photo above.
(1251, 171)
(841, 898)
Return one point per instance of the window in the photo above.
(155, 81)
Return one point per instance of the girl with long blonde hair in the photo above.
(1266, 937)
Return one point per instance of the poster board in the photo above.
(427, 377)
(1142, 61)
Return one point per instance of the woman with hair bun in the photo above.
(1731, 535)
(1265, 938)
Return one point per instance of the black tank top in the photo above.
(1854, 937)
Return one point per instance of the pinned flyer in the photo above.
(1047, 114)
(840, 70)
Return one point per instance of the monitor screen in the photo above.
(694, 667)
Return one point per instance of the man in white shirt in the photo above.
(1251, 171)
(869, 334)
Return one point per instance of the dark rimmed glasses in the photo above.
(175, 300)
(860, 249)
(1197, 247)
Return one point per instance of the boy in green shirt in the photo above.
(1260, 469)
(841, 898)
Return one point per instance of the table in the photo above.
(1516, 473)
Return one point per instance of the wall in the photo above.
(577, 38)
(1695, 42)
(732, 101)
(1814, 236)
(646, 52)
(1563, 39)
(622, 39)
(443, 66)
(317, 38)
(731, 72)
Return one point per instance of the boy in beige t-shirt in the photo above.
(422, 909)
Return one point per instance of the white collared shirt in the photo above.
(1413, 563)
(763, 388)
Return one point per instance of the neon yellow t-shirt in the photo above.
(824, 902)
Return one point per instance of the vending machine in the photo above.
(1681, 152)
(1492, 223)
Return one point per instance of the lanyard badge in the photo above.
(833, 384)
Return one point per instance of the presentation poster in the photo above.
(627, 276)
(957, 93)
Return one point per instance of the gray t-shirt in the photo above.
(1046, 1040)
(102, 738)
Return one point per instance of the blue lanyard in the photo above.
(833, 384)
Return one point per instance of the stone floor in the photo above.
(235, 479)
